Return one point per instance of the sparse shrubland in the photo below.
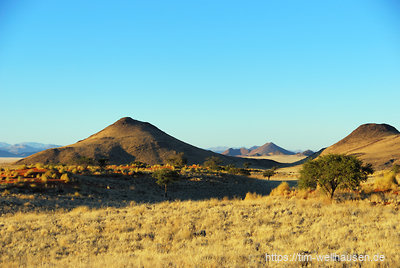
(213, 163)
(231, 169)
(116, 216)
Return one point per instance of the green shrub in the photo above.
(237, 171)
(178, 160)
(165, 177)
(333, 171)
(269, 173)
(213, 162)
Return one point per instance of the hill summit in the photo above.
(378, 144)
(267, 149)
(270, 148)
(236, 152)
(372, 131)
(129, 140)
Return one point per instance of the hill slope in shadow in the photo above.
(129, 140)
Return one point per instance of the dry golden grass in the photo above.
(211, 233)
(282, 174)
(386, 181)
(376, 151)
(281, 190)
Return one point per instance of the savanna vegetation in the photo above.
(174, 215)
(334, 171)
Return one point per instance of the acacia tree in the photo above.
(334, 171)
(269, 173)
(165, 177)
(213, 162)
(84, 161)
(178, 160)
(102, 162)
(246, 164)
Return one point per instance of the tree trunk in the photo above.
(165, 190)
(332, 193)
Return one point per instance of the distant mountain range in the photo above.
(267, 149)
(221, 149)
(23, 149)
(128, 140)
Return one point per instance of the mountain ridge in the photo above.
(267, 149)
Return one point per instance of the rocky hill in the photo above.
(129, 140)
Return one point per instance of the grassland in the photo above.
(123, 220)
(210, 233)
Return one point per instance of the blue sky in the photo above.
(302, 74)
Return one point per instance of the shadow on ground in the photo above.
(99, 192)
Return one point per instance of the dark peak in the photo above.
(270, 144)
(126, 120)
(374, 130)
(308, 152)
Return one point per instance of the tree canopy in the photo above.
(269, 173)
(213, 162)
(178, 160)
(165, 177)
(334, 171)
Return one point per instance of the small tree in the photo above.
(138, 164)
(165, 177)
(213, 162)
(269, 173)
(177, 160)
(84, 161)
(334, 171)
(246, 164)
(102, 162)
(231, 169)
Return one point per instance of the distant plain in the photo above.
(279, 158)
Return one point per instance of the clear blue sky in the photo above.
(302, 74)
